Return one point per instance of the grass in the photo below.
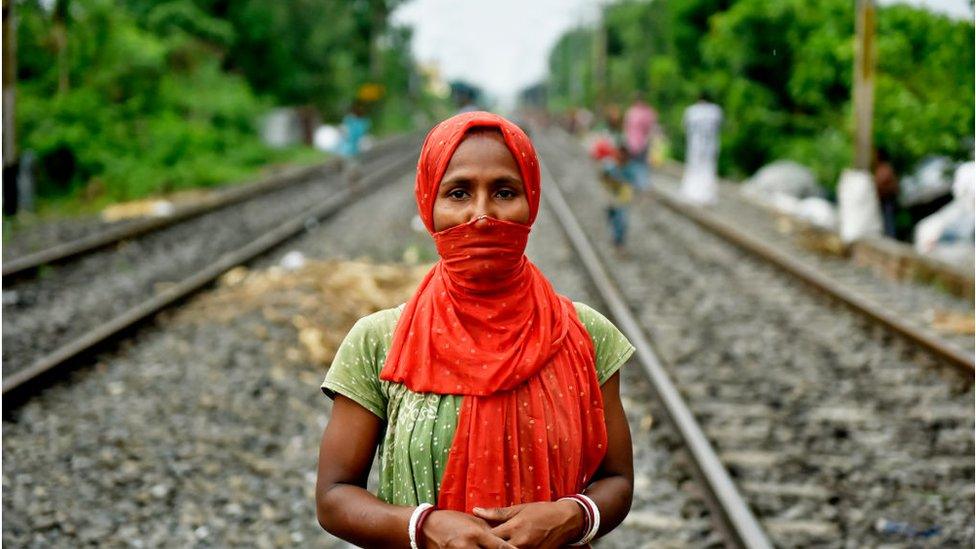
(88, 201)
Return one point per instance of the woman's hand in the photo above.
(541, 524)
(449, 529)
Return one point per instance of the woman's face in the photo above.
(481, 179)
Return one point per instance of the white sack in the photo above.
(860, 214)
(782, 177)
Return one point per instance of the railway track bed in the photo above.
(42, 236)
(833, 427)
(68, 308)
(211, 417)
(203, 428)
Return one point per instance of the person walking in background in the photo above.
(611, 152)
(886, 183)
(702, 122)
(611, 157)
(640, 123)
(355, 126)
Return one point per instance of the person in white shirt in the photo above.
(702, 122)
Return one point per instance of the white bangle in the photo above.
(587, 516)
(595, 526)
(412, 526)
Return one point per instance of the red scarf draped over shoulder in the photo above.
(486, 324)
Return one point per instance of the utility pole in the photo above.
(600, 62)
(857, 200)
(378, 12)
(60, 16)
(9, 78)
(575, 68)
(864, 63)
(10, 163)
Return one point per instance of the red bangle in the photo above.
(421, 538)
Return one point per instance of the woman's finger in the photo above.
(497, 514)
(504, 530)
(489, 541)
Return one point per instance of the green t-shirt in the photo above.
(420, 426)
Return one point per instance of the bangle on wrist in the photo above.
(586, 514)
(412, 525)
(421, 537)
(591, 518)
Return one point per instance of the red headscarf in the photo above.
(486, 324)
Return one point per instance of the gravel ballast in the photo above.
(838, 433)
(203, 430)
(66, 301)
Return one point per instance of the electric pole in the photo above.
(9, 77)
(864, 62)
(600, 62)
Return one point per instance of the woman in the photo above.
(487, 393)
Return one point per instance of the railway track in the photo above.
(909, 310)
(48, 250)
(668, 510)
(824, 425)
(836, 431)
(71, 309)
(737, 521)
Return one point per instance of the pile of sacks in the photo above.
(792, 188)
(948, 234)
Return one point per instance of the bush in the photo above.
(782, 72)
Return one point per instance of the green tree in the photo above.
(319, 52)
(129, 97)
(782, 72)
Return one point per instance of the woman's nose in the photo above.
(482, 211)
(481, 222)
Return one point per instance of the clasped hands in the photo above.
(524, 526)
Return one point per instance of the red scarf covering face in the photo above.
(485, 323)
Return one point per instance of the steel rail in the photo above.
(23, 265)
(818, 281)
(19, 266)
(735, 515)
(956, 280)
(17, 384)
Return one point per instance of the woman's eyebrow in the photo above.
(466, 179)
(509, 180)
(455, 180)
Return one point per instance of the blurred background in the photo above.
(111, 101)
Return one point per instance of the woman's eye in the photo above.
(457, 194)
(506, 193)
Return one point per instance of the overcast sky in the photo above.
(503, 45)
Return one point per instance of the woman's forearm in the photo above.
(613, 496)
(354, 514)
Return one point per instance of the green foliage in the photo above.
(145, 110)
(783, 72)
(570, 70)
(319, 52)
(924, 97)
(123, 98)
